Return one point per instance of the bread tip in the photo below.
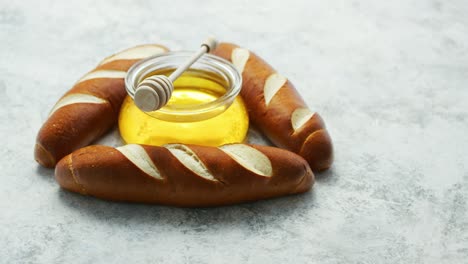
(43, 157)
(65, 177)
(318, 150)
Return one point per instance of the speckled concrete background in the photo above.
(389, 77)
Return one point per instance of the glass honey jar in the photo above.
(205, 107)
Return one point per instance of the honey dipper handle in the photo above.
(206, 46)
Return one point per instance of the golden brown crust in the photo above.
(106, 173)
(317, 150)
(76, 125)
(72, 128)
(43, 156)
(274, 119)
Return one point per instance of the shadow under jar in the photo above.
(204, 108)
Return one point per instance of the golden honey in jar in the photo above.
(204, 108)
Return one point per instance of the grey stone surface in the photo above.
(389, 77)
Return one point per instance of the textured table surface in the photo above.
(390, 79)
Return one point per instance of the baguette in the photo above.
(90, 108)
(184, 175)
(277, 109)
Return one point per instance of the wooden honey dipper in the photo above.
(155, 91)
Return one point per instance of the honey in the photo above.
(174, 124)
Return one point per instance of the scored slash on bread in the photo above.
(77, 98)
(103, 74)
(138, 156)
(184, 175)
(249, 158)
(278, 110)
(299, 117)
(272, 84)
(135, 53)
(190, 160)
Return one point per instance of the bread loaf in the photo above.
(278, 110)
(184, 175)
(90, 108)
